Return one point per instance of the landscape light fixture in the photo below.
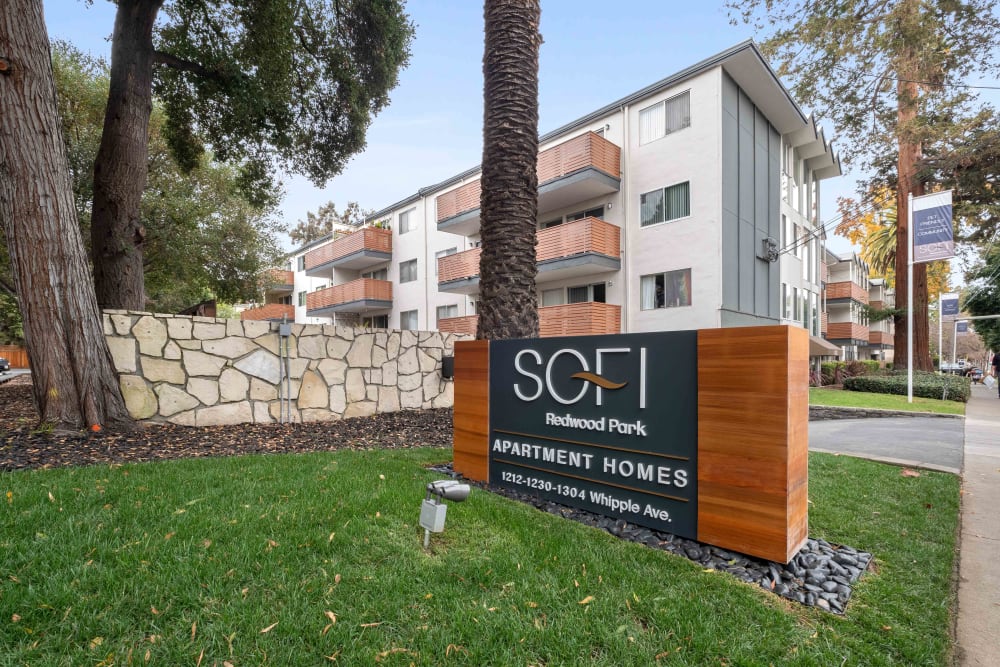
(433, 510)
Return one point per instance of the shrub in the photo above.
(835, 372)
(925, 385)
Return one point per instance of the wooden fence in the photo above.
(17, 356)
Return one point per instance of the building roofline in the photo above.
(746, 47)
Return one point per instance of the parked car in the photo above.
(4, 365)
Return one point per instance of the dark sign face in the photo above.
(604, 423)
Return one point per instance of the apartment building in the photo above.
(849, 289)
(692, 203)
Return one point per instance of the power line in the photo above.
(826, 226)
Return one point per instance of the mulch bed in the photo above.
(24, 447)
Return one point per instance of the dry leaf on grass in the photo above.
(586, 600)
(907, 472)
(268, 628)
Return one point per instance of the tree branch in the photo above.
(172, 61)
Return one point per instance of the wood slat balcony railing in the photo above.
(357, 290)
(579, 319)
(269, 311)
(846, 290)
(277, 280)
(369, 238)
(459, 325)
(572, 319)
(823, 323)
(580, 236)
(845, 330)
(880, 338)
(573, 238)
(586, 150)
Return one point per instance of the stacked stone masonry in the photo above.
(203, 371)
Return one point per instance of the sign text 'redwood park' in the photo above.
(604, 423)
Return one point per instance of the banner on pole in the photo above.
(933, 237)
(961, 327)
(949, 305)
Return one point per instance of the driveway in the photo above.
(926, 442)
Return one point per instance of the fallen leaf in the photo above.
(371, 625)
(96, 641)
(378, 514)
(906, 472)
(386, 654)
(336, 578)
(268, 628)
(330, 539)
(194, 629)
(381, 476)
(586, 600)
(226, 663)
(332, 658)
(533, 605)
(200, 656)
(456, 648)
(10, 497)
(428, 596)
(206, 543)
(147, 656)
(15, 618)
(330, 615)
(168, 536)
(325, 629)
(886, 628)
(52, 498)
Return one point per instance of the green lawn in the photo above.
(317, 559)
(861, 399)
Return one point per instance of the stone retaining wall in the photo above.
(203, 371)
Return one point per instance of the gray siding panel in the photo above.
(730, 194)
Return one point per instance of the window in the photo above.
(661, 119)
(442, 253)
(301, 262)
(781, 301)
(551, 223)
(285, 300)
(302, 298)
(378, 274)
(583, 293)
(670, 203)
(408, 271)
(592, 213)
(787, 297)
(375, 322)
(666, 290)
(444, 312)
(553, 297)
(407, 221)
(408, 320)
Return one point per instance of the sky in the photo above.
(593, 54)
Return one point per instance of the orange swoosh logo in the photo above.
(604, 383)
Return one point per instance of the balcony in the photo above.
(847, 331)
(581, 168)
(880, 338)
(279, 280)
(358, 296)
(358, 250)
(580, 248)
(573, 319)
(273, 312)
(846, 290)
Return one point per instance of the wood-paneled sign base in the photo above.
(752, 460)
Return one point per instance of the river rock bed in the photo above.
(820, 575)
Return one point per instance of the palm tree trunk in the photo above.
(508, 306)
(75, 384)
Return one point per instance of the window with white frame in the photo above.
(444, 312)
(408, 271)
(583, 293)
(665, 290)
(663, 118)
(553, 297)
(408, 320)
(589, 213)
(377, 274)
(442, 253)
(301, 262)
(302, 298)
(375, 322)
(407, 221)
(670, 203)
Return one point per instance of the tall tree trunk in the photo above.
(908, 156)
(508, 305)
(74, 378)
(120, 170)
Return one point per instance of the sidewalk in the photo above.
(978, 624)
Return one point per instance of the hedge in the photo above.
(925, 385)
